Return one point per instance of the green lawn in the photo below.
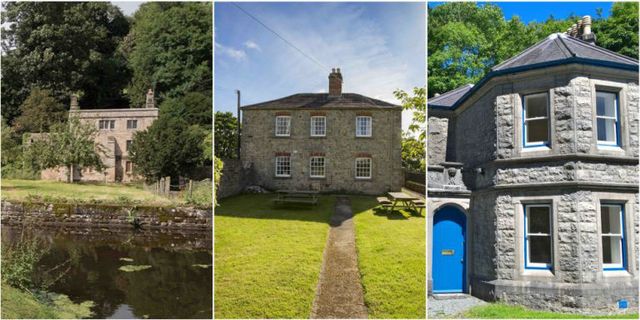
(267, 259)
(391, 255)
(19, 190)
(503, 311)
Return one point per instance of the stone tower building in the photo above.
(547, 143)
(342, 142)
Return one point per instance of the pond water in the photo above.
(177, 285)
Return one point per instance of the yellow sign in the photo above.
(447, 252)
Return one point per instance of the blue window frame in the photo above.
(535, 120)
(607, 118)
(538, 240)
(614, 253)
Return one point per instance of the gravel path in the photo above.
(339, 294)
(447, 306)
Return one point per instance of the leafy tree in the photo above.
(63, 47)
(217, 175)
(619, 32)
(71, 145)
(170, 49)
(169, 147)
(10, 146)
(413, 141)
(39, 111)
(207, 145)
(194, 107)
(226, 133)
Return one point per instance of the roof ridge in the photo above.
(560, 37)
(601, 49)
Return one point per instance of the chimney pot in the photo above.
(335, 83)
(150, 101)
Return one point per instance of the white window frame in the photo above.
(277, 162)
(370, 168)
(313, 126)
(288, 126)
(527, 234)
(615, 118)
(621, 241)
(369, 128)
(311, 167)
(525, 121)
(134, 121)
(106, 124)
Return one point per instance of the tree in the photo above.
(70, 145)
(194, 108)
(64, 47)
(413, 141)
(39, 111)
(10, 146)
(171, 50)
(217, 175)
(169, 147)
(226, 133)
(619, 32)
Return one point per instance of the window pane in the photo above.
(611, 250)
(538, 130)
(536, 106)
(610, 216)
(538, 220)
(606, 130)
(540, 249)
(605, 104)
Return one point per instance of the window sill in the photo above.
(616, 273)
(606, 147)
(538, 273)
(535, 148)
(282, 137)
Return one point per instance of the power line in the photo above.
(281, 37)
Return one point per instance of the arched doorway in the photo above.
(449, 253)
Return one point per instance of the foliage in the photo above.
(17, 304)
(207, 147)
(10, 146)
(39, 112)
(169, 147)
(504, 311)
(170, 51)
(392, 267)
(619, 32)
(413, 141)
(19, 261)
(71, 145)
(226, 133)
(217, 175)
(413, 154)
(64, 47)
(200, 195)
(194, 108)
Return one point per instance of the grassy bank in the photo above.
(503, 311)
(17, 304)
(23, 190)
(268, 258)
(391, 259)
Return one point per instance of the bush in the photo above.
(200, 195)
(19, 261)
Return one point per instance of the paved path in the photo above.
(447, 306)
(339, 294)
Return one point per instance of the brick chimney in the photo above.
(73, 105)
(335, 83)
(151, 101)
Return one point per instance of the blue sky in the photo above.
(540, 11)
(379, 47)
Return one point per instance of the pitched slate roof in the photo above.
(556, 49)
(449, 98)
(323, 100)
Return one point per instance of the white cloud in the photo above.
(252, 45)
(236, 54)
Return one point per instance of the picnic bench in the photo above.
(296, 196)
(401, 200)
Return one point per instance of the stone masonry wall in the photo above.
(567, 171)
(633, 96)
(340, 147)
(438, 136)
(233, 180)
(476, 132)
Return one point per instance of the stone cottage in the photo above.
(116, 128)
(329, 142)
(533, 180)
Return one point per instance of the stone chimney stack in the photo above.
(335, 83)
(74, 103)
(587, 35)
(151, 101)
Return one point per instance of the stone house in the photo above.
(116, 128)
(533, 180)
(329, 142)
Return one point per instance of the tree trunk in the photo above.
(70, 174)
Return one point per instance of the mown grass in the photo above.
(503, 311)
(22, 190)
(391, 257)
(17, 304)
(268, 259)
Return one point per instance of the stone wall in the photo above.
(340, 148)
(109, 216)
(234, 179)
(437, 133)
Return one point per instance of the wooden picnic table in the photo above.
(402, 200)
(296, 196)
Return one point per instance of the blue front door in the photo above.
(448, 257)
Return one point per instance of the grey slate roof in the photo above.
(559, 46)
(449, 98)
(322, 100)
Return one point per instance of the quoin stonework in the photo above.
(533, 180)
(328, 142)
(116, 128)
